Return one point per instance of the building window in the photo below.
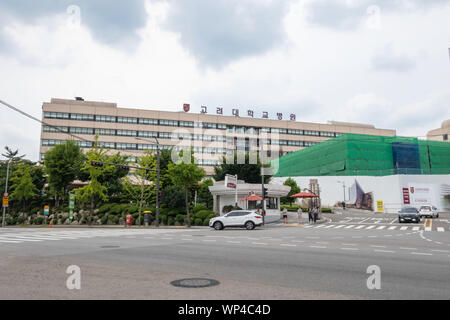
(105, 118)
(295, 131)
(221, 126)
(81, 117)
(148, 121)
(108, 145)
(126, 133)
(126, 146)
(56, 115)
(445, 137)
(327, 134)
(126, 120)
(148, 134)
(105, 132)
(273, 203)
(56, 129)
(81, 130)
(188, 124)
(172, 123)
(311, 133)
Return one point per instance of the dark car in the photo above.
(408, 214)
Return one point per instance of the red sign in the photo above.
(406, 199)
(186, 107)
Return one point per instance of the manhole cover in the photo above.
(109, 247)
(195, 283)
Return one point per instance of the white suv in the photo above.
(237, 218)
(428, 211)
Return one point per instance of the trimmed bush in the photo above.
(206, 222)
(199, 207)
(198, 222)
(327, 210)
(105, 208)
(180, 218)
(115, 209)
(170, 221)
(203, 214)
(163, 219)
(104, 219)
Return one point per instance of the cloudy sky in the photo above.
(384, 62)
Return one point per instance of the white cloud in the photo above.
(317, 73)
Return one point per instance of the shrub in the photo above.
(170, 221)
(115, 209)
(105, 208)
(327, 210)
(163, 219)
(132, 209)
(199, 207)
(198, 222)
(173, 213)
(206, 222)
(180, 218)
(38, 220)
(104, 219)
(203, 214)
(114, 219)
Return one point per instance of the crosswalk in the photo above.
(56, 235)
(374, 227)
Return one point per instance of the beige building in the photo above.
(212, 136)
(440, 134)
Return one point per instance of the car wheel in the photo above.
(218, 225)
(249, 225)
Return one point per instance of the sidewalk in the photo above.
(294, 220)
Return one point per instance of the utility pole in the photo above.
(263, 203)
(6, 192)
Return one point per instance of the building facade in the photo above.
(212, 137)
(440, 134)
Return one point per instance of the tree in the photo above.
(185, 175)
(204, 195)
(142, 188)
(12, 155)
(294, 189)
(24, 189)
(94, 189)
(250, 173)
(62, 164)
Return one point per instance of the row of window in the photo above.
(170, 135)
(188, 124)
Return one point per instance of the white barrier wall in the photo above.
(421, 189)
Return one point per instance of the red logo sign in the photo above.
(412, 189)
(186, 107)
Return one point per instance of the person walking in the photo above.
(310, 215)
(285, 215)
(316, 213)
(299, 214)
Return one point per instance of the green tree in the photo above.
(203, 193)
(24, 188)
(141, 187)
(294, 189)
(185, 175)
(94, 190)
(62, 164)
(250, 173)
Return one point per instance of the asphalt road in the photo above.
(326, 261)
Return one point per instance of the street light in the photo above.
(343, 186)
(157, 175)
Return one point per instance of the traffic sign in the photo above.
(46, 210)
(5, 201)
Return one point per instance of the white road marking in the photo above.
(319, 247)
(330, 226)
(381, 227)
(233, 241)
(374, 246)
(187, 239)
(363, 220)
(339, 226)
(370, 227)
(354, 249)
(393, 221)
(440, 229)
(348, 244)
(440, 251)
(428, 229)
(403, 248)
(403, 228)
(422, 253)
(359, 227)
(209, 240)
(392, 228)
(348, 227)
(416, 228)
(260, 243)
(287, 245)
(298, 241)
(385, 251)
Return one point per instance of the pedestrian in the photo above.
(310, 215)
(316, 213)
(299, 214)
(343, 205)
(285, 215)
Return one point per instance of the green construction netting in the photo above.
(356, 154)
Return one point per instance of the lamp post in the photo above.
(6, 191)
(157, 176)
(343, 186)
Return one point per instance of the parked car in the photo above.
(428, 211)
(408, 214)
(237, 218)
